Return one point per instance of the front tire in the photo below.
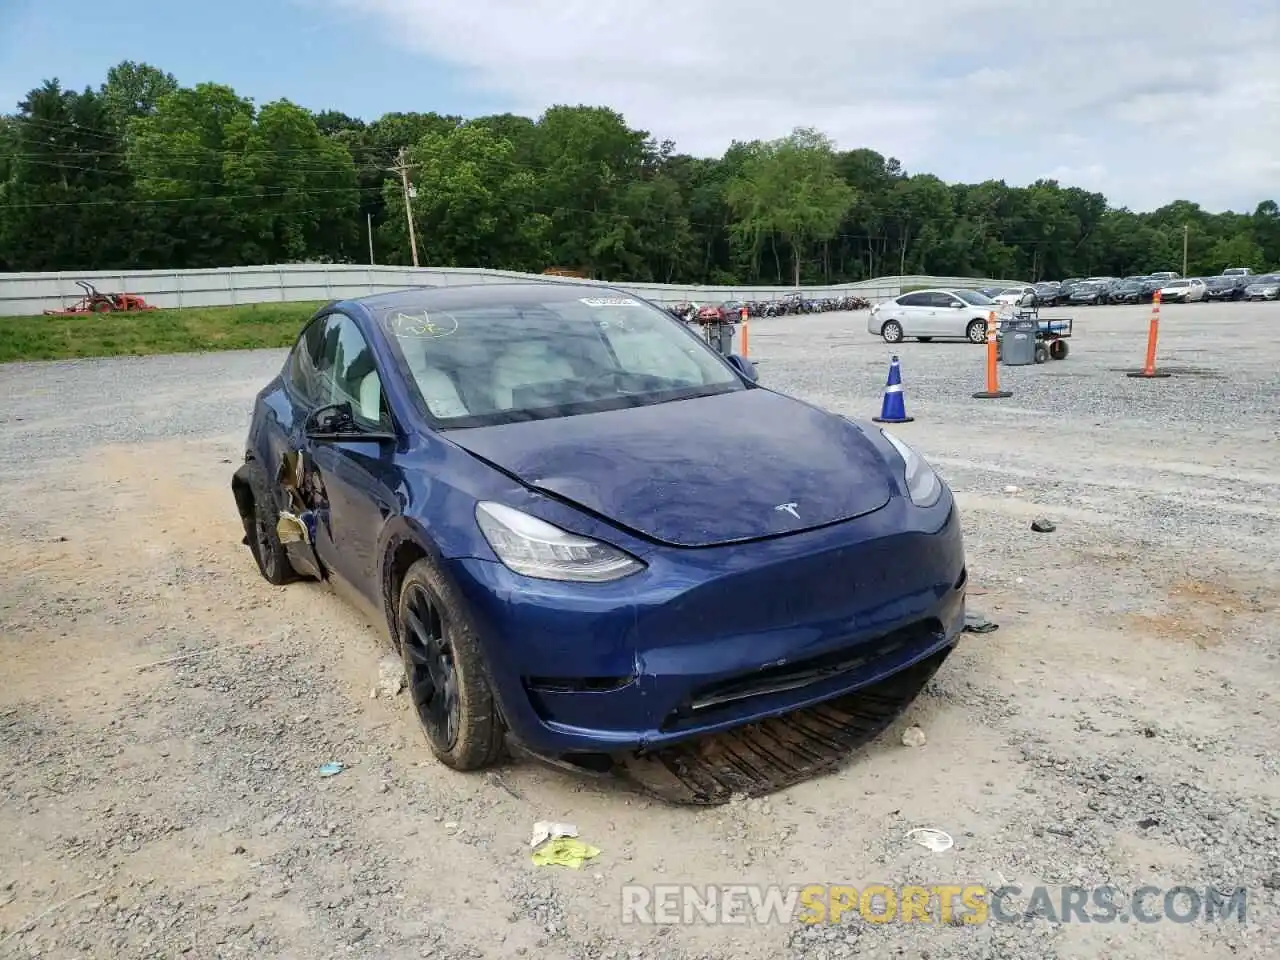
(976, 332)
(445, 672)
(892, 332)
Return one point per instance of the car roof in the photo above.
(480, 295)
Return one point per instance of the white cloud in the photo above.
(1147, 100)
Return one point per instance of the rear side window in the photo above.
(914, 300)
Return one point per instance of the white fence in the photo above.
(28, 294)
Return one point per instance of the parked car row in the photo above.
(1237, 283)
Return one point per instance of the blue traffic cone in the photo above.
(894, 408)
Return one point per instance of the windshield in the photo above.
(1130, 285)
(1268, 279)
(973, 298)
(1177, 283)
(558, 357)
(1222, 281)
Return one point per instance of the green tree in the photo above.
(142, 172)
(65, 185)
(584, 158)
(134, 90)
(474, 204)
(235, 186)
(790, 187)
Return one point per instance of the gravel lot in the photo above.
(1119, 728)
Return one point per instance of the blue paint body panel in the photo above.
(734, 590)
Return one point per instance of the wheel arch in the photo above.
(242, 490)
(406, 544)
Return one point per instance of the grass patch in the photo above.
(193, 330)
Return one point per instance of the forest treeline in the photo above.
(142, 172)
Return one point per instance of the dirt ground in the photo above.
(164, 711)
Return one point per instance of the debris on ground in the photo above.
(936, 840)
(501, 784)
(1043, 525)
(556, 845)
(331, 769)
(913, 737)
(1012, 489)
(977, 623)
(30, 925)
(564, 852)
(390, 679)
(545, 830)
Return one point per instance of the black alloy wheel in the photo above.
(430, 670)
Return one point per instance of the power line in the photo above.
(290, 192)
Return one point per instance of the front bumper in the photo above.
(707, 640)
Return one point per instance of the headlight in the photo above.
(536, 548)
(923, 485)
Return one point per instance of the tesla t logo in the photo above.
(788, 508)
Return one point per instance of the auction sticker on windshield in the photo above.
(610, 302)
(419, 325)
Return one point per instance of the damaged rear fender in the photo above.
(294, 529)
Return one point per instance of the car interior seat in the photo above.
(436, 386)
(524, 364)
(370, 397)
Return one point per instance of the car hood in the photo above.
(696, 473)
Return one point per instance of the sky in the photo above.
(1146, 101)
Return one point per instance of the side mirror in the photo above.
(744, 367)
(335, 422)
(957, 306)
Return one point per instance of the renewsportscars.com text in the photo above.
(970, 904)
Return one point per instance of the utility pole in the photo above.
(1186, 235)
(402, 168)
(368, 222)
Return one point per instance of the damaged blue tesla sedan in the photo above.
(585, 530)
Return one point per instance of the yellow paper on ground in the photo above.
(564, 852)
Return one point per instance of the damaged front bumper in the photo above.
(707, 641)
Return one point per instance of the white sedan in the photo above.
(1184, 291)
(1012, 296)
(930, 314)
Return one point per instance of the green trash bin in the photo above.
(1018, 342)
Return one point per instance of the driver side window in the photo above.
(347, 373)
